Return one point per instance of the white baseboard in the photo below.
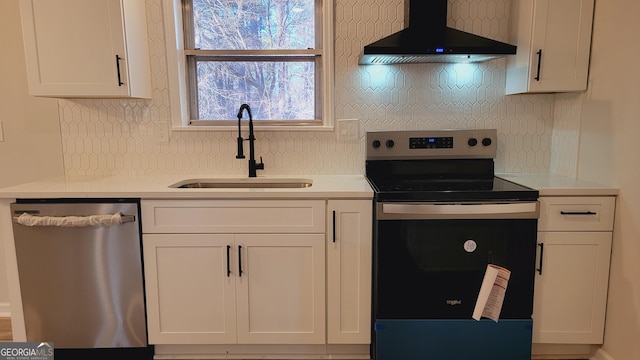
(5, 309)
(263, 352)
(601, 355)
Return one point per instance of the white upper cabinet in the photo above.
(86, 49)
(554, 43)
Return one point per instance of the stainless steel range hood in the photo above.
(428, 39)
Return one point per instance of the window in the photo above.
(269, 54)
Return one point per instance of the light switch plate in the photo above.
(348, 129)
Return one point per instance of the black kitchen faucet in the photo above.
(253, 165)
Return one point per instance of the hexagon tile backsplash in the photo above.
(110, 137)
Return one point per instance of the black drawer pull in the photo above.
(228, 267)
(334, 226)
(240, 260)
(118, 58)
(539, 63)
(578, 213)
(539, 269)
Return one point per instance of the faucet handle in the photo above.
(260, 165)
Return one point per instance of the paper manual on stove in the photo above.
(491, 296)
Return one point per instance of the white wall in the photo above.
(608, 153)
(31, 148)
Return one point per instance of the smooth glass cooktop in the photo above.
(451, 189)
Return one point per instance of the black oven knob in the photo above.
(486, 141)
(376, 144)
(390, 143)
(472, 142)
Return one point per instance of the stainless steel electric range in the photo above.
(441, 217)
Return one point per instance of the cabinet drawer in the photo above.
(576, 213)
(233, 216)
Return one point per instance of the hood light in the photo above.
(407, 59)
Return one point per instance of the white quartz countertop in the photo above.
(157, 187)
(324, 187)
(556, 185)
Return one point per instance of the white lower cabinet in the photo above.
(257, 271)
(574, 249)
(280, 293)
(349, 272)
(571, 292)
(235, 271)
(190, 297)
(228, 289)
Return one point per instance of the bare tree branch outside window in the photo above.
(260, 52)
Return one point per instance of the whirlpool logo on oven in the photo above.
(454, 302)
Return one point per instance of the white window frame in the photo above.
(177, 72)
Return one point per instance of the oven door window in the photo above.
(433, 269)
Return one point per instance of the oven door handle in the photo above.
(459, 211)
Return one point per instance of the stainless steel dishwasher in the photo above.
(80, 270)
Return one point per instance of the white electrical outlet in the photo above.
(160, 132)
(348, 129)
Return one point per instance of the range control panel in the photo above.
(432, 144)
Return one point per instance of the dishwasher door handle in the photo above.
(73, 221)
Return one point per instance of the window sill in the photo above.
(299, 128)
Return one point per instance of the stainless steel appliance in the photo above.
(80, 270)
(428, 39)
(441, 216)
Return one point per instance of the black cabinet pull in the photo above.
(539, 269)
(578, 213)
(228, 265)
(240, 260)
(118, 58)
(334, 226)
(539, 62)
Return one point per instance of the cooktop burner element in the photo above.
(442, 165)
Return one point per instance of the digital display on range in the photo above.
(431, 143)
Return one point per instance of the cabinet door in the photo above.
(554, 42)
(562, 32)
(280, 291)
(190, 288)
(71, 47)
(349, 272)
(571, 292)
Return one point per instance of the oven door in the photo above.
(430, 259)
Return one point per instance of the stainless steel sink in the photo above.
(243, 183)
